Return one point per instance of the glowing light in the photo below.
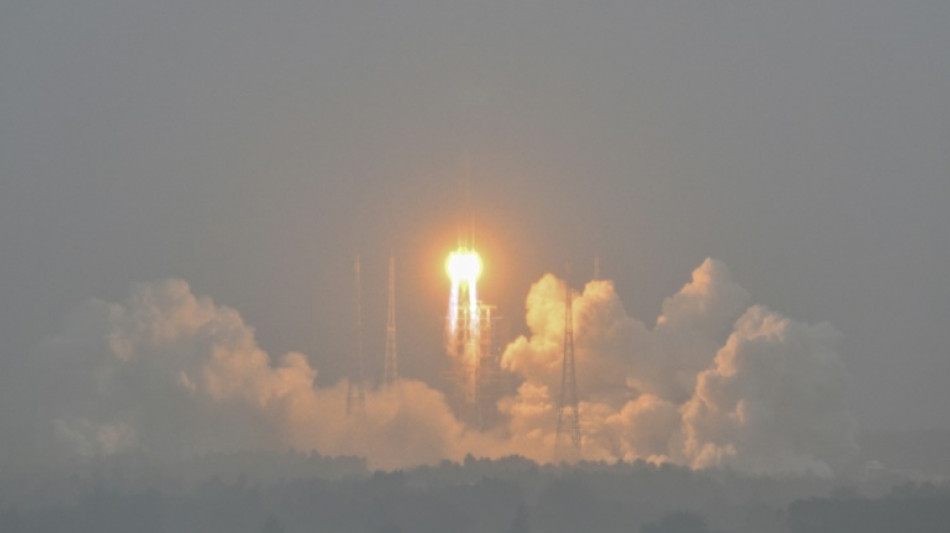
(464, 265)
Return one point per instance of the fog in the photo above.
(254, 150)
(162, 413)
(715, 382)
(270, 492)
(184, 187)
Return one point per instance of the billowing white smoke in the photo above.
(715, 382)
(173, 373)
(772, 400)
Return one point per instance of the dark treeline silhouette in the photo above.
(921, 451)
(908, 508)
(288, 493)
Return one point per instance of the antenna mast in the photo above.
(390, 362)
(567, 405)
(355, 393)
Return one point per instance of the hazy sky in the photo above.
(253, 148)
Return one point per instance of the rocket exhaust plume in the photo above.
(463, 266)
(463, 329)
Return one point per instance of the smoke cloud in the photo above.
(173, 373)
(714, 382)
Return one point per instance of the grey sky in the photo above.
(253, 148)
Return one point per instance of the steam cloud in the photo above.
(173, 373)
(714, 383)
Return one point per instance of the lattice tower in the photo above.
(355, 391)
(390, 361)
(567, 411)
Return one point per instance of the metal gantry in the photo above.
(567, 404)
(355, 391)
(390, 360)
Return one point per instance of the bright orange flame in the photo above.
(464, 265)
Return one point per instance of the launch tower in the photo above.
(355, 391)
(390, 362)
(567, 411)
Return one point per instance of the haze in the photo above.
(253, 150)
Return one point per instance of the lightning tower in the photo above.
(355, 393)
(567, 404)
(390, 362)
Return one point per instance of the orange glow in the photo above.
(464, 265)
